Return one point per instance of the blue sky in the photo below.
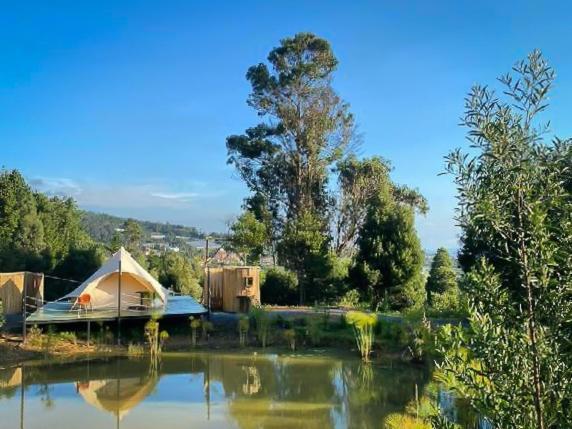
(126, 105)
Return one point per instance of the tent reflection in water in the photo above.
(116, 396)
(120, 288)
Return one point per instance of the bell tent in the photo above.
(120, 275)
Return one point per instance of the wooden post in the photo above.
(88, 332)
(208, 294)
(22, 393)
(119, 307)
(24, 303)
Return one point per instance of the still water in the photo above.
(196, 390)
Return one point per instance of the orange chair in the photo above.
(84, 301)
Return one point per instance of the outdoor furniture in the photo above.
(84, 302)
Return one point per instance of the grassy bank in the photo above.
(407, 338)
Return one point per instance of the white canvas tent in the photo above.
(138, 287)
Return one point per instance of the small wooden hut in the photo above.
(234, 289)
(13, 286)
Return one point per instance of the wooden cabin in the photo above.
(234, 289)
(13, 286)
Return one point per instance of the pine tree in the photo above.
(442, 276)
(389, 260)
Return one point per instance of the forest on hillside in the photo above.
(102, 227)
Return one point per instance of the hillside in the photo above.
(101, 227)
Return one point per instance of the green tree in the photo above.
(116, 242)
(179, 273)
(21, 230)
(40, 233)
(359, 182)
(279, 286)
(304, 248)
(63, 231)
(514, 361)
(285, 160)
(249, 236)
(389, 259)
(132, 233)
(442, 277)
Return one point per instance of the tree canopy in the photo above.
(306, 138)
(514, 362)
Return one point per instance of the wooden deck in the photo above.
(60, 312)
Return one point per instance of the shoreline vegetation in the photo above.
(303, 331)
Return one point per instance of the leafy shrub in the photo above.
(418, 338)
(279, 287)
(34, 337)
(351, 299)
(404, 421)
(68, 337)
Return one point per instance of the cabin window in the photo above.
(248, 281)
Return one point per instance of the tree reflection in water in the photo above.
(248, 391)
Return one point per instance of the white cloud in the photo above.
(56, 186)
(176, 195)
(194, 203)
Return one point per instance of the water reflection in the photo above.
(218, 390)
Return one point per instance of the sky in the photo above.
(125, 106)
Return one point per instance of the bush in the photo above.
(351, 299)
(135, 350)
(446, 302)
(279, 287)
(68, 337)
(418, 339)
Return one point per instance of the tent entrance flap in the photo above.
(134, 291)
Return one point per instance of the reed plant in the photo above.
(163, 337)
(195, 325)
(207, 328)
(363, 325)
(290, 336)
(243, 327)
(263, 323)
(152, 335)
(314, 330)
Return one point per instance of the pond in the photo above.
(214, 390)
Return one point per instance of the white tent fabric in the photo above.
(102, 286)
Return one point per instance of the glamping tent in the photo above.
(120, 280)
(120, 288)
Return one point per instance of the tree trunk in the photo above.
(531, 319)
